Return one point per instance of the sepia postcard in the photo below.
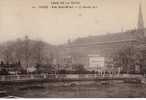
(72, 49)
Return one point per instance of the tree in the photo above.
(79, 68)
(29, 52)
(4, 72)
(125, 59)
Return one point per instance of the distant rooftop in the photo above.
(129, 35)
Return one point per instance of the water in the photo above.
(90, 90)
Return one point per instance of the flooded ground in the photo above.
(92, 90)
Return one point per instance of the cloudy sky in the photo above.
(24, 17)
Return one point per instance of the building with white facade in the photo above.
(95, 62)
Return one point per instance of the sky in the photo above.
(55, 26)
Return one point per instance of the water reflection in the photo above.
(58, 90)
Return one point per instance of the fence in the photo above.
(27, 77)
(61, 76)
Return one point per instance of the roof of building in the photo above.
(122, 36)
(108, 38)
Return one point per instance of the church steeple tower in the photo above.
(140, 24)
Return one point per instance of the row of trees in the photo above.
(27, 51)
(34, 53)
(131, 59)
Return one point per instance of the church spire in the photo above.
(140, 24)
